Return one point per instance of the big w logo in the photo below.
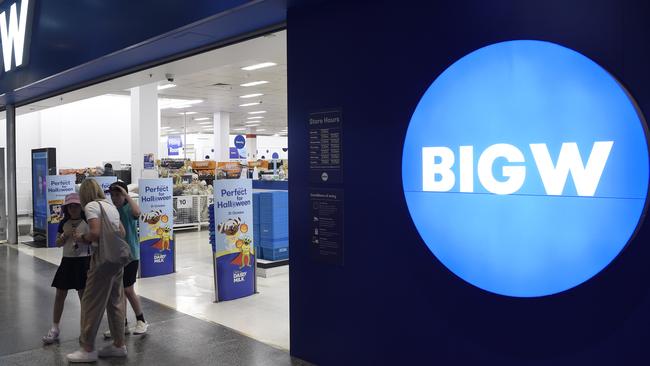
(13, 29)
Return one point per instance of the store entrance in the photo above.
(211, 123)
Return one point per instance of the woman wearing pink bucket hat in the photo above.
(75, 262)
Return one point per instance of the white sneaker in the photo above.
(82, 356)
(107, 334)
(112, 351)
(51, 337)
(140, 328)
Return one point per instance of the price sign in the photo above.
(184, 202)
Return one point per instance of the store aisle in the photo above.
(264, 316)
(174, 338)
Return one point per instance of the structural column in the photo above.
(12, 207)
(221, 122)
(145, 127)
(251, 147)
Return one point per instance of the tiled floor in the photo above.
(173, 339)
(264, 316)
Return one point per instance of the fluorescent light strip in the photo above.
(258, 66)
(255, 125)
(249, 104)
(183, 113)
(205, 123)
(255, 83)
(256, 117)
(257, 112)
(239, 129)
(251, 95)
(166, 86)
(201, 119)
(260, 130)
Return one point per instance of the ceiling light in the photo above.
(164, 103)
(254, 83)
(256, 117)
(251, 95)
(261, 130)
(254, 125)
(257, 112)
(165, 128)
(239, 129)
(249, 104)
(258, 66)
(201, 119)
(166, 86)
(184, 113)
(205, 123)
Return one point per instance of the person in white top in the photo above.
(71, 274)
(104, 290)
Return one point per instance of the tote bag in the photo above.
(112, 248)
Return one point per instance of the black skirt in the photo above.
(71, 274)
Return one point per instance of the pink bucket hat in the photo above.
(72, 198)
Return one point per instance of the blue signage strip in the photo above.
(157, 247)
(58, 186)
(234, 254)
(174, 145)
(525, 168)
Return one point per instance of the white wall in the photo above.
(88, 132)
(84, 133)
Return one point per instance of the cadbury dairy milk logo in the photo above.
(13, 30)
(525, 168)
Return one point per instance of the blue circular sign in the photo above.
(240, 141)
(525, 168)
(275, 156)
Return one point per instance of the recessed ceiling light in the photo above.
(183, 113)
(258, 66)
(256, 117)
(239, 129)
(249, 104)
(257, 112)
(254, 83)
(201, 119)
(165, 103)
(251, 95)
(166, 86)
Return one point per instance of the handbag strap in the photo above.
(106, 223)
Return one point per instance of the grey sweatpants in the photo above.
(104, 292)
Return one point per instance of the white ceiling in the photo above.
(195, 79)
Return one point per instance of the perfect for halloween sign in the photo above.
(234, 257)
(156, 227)
(58, 186)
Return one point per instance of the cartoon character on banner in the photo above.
(56, 212)
(236, 239)
(156, 221)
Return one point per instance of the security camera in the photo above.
(170, 77)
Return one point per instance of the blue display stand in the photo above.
(157, 244)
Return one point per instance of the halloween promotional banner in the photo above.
(234, 255)
(58, 186)
(105, 183)
(156, 227)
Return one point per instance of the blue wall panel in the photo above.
(393, 302)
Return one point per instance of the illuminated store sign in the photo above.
(525, 168)
(13, 34)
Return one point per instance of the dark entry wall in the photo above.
(393, 302)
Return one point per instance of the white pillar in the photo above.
(145, 127)
(251, 146)
(221, 122)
